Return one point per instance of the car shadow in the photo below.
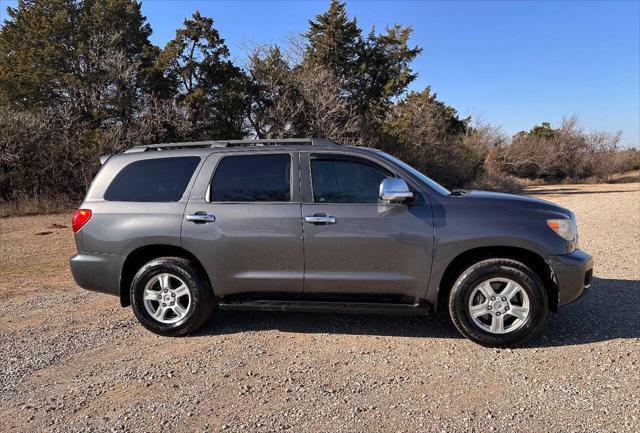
(608, 311)
(231, 322)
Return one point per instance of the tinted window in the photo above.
(153, 180)
(345, 181)
(252, 178)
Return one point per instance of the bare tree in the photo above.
(328, 113)
(297, 99)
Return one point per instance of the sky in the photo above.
(512, 64)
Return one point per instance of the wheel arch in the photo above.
(467, 258)
(144, 254)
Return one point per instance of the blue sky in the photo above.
(513, 64)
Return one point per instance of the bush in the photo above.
(496, 182)
(54, 154)
(626, 160)
(556, 154)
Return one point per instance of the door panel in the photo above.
(362, 245)
(370, 249)
(249, 246)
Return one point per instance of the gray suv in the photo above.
(178, 230)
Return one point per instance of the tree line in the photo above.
(80, 78)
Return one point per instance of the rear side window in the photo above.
(338, 180)
(252, 178)
(153, 180)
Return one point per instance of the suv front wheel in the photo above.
(498, 302)
(170, 297)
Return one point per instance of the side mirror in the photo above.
(395, 190)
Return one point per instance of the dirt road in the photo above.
(75, 361)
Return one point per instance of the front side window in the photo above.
(153, 180)
(252, 178)
(339, 180)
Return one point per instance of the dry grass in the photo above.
(26, 206)
(628, 177)
(499, 183)
(516, 185)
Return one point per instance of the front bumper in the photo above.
(98, 272)
(573, 274)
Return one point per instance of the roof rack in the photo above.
(234, 143)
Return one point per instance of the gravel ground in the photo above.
(75, 361)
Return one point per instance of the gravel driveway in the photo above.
(72, 360)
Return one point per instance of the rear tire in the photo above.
(498, 303)
(170, 297)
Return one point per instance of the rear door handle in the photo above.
(201, 217)
(320, 219)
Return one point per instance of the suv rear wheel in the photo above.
(170, 297)
(498, 302)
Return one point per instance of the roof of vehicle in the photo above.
(207, 147)
(225, 144)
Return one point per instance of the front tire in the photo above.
(498, 303)
(170, 297)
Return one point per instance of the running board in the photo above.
(326, 307)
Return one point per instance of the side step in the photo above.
(326, 307)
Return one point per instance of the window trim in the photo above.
(207, 197)
(350, 158)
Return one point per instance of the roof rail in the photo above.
(234, 143)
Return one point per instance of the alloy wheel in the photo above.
(166, 298)
(499, 305)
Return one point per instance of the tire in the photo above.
(186, 299)
(478, 308)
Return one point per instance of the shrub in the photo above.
(555, 154)
(496, 182)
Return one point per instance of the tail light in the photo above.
(80, 218)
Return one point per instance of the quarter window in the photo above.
(153, 180)
(338, 180)
(252, 178)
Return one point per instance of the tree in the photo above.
(60, 51)
(373, 70)
(326, 112)
(195, 68)
(299, 100)
(428, 134)
(276, 105)
(335, 41)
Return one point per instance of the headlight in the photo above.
(565, 228)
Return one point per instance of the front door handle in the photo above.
(201, 217)
(320, 219)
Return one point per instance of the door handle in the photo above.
(201, 217)
(320, 219)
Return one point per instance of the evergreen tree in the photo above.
(195, 67)
(335, 41)
(68, 51)
(374, 69)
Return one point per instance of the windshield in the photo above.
(430, 182)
